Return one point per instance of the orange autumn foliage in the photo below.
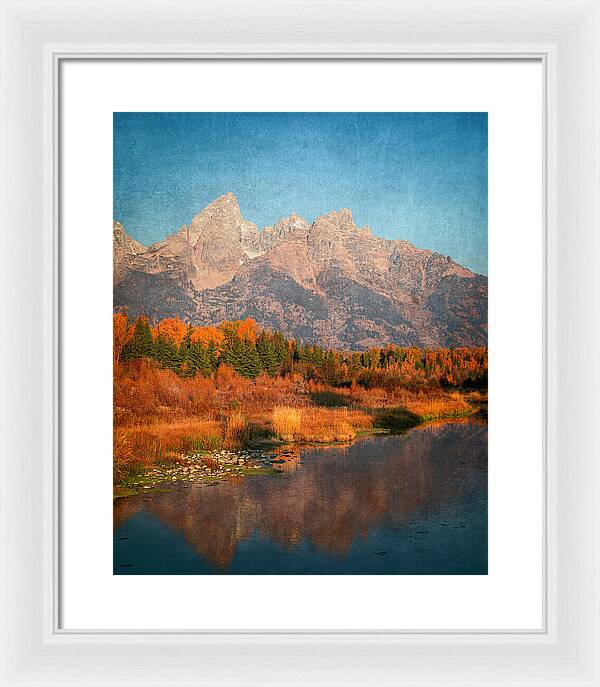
(159, 414)
(206, 335)
(247, 329)
(171, 328)
(122, 333)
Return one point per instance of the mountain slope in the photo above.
(329, 282)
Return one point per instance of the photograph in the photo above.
(300, 343)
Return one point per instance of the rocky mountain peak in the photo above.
(335, 223)
(118, 231)
(221, 240)
(226, 201)
(329, 281)
(125, 249)
(284, 229)
(122, 239)
(219, 219)
(225, 211)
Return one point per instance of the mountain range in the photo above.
(327, 281)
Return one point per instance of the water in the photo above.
(411, 504)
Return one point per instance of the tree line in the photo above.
(251, 351)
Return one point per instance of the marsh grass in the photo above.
(159, 416)
(286, 422)
(206, 442)
(436, 406)
(318, 424)
(235, 431)
(139, 446)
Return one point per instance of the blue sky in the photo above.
(421, 177)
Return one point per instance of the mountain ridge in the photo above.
(327, 281)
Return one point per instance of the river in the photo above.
(408, 504)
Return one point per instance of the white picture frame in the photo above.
(564, 34)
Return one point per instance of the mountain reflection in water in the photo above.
(395, 504)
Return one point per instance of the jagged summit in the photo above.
(227, 203)
(125, 250)
(327, 281)
(343, 217)
(226, 198)
(282, 230)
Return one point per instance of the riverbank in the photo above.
(412, 503)
(193, 451)
(208, 468)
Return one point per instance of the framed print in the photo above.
(321, 408)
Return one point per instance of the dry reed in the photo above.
(286, 422)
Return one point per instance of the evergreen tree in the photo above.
(185, 345)
(354, 364)
(250, 366)
(267, 353)
(199, 360)
(185, 369)
(281, 347)
(167, 353)
(293, 352)
(233, 352)
(212, 353)
(141, 345)
(227, 354)
(330, 369)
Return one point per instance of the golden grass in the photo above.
(322, 425)
(286, 422)
(141, 445)
(443, 405)
(159, 416)
(236, 428)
